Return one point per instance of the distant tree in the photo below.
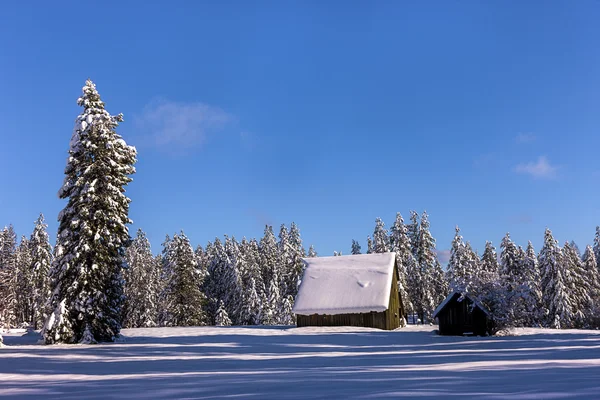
(8, 277)
(142, 284)
(459, 276)
(593, 278)
(555, 293)
(253, 288)
(400, 244)
(355, 247)
(86, 276)
(490, 268)
(370, 246)
(578, 285)
(575, 248)
(184, 301)
(25, 290)
(532, 291)
(427, 295)
(597, 246)
(381, 240)
(412, 231)
(311, 252)
(41, 259)
(296, 266)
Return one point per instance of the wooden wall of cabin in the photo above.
(455, 319)
(368, 320)
(395, 310)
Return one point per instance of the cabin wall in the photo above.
(367, 320)
(394, 311)
(455, 319)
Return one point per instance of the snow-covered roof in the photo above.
(346, 284)
(464, 296)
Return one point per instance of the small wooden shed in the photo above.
(357, 290)
(459, 314)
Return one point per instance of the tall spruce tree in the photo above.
(41, 258)
(86, 276)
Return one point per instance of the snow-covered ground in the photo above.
(282, 363)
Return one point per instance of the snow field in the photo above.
(287, 363)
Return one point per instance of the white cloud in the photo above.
(541, 169)
(525, 138)
(174, 126)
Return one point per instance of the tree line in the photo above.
(228, 282)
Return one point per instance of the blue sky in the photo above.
(485, 114)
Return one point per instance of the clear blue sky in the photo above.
(486, 114)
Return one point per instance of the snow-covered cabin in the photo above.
(459, 314)
(356, 290)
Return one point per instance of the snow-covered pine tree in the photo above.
(412, 230)
(166, 276)
(427, 296)
(400, 244)
(312, 252)
(286, 314)
(8, 276)
(233, 280)
(142, 284)
(25, 290)
(381, 240)
(252, 283)
(597, 246)
(184, 301)
(41, 258)
(86, 276)
(215, 286)
(268, 256)
(511, 258)
(273, 305)
(509, 264)
(579, 286)
(222, 318)
(370, 246)
(555, 289)
(490, 269)
(355, 248)
(284, 259)
(297, 266)
(531, 282)
(575, 247)
(457, 272)
(593, 278)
